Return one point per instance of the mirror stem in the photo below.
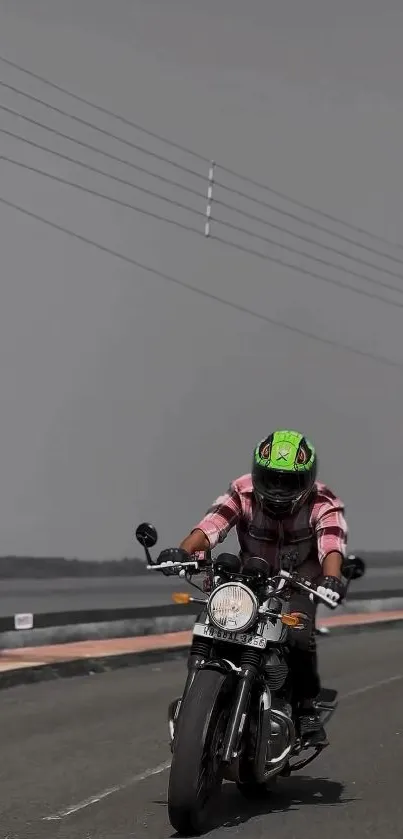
(148, 556)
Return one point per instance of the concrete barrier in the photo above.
(27, 630)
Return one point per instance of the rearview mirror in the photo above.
(353, 567)
(147, 535)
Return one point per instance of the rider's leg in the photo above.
(304, 668)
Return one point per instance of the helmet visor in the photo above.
(280, 488)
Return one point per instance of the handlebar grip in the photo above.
(173, 566)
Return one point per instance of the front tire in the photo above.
(195, 778)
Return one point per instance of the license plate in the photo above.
(248, 639)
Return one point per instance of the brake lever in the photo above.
(305, 585)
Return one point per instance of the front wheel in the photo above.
(196, 778)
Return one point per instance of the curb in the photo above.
(107, 663)
(87, 666)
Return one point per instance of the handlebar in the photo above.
(293, 579)
(305, 585)
(173, 566)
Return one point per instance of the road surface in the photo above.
(118, 592)
(85, 750)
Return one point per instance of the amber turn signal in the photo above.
(181, 597)
(297, 620)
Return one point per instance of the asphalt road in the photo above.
(91, 752)
(118, 592)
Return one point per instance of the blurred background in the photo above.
(127, 396)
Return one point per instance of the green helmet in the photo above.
(284, 472)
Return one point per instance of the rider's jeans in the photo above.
(303, 653)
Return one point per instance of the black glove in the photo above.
(332, 588)
(172, 555)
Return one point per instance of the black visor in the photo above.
(274, 485)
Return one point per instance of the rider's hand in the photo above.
(333, 589)
(170, 556)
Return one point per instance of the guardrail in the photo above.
(50, 620)
(53, 620)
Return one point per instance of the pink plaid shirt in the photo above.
(304, 540)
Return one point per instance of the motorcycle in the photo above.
(236, 719)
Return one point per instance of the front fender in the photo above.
(223, 665)
(226, 684)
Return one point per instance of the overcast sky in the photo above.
(124, 396)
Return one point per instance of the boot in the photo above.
(310, 723)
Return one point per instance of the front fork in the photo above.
(237, 719)
(268, 717)
(199, 653)
(247, 672)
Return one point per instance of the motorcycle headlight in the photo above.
(232, 606)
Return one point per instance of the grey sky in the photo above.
(126, 397)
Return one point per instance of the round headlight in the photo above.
(232, 606)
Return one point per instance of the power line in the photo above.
(198, 156)
(308, 207)
(201, 292)
(235, 227)
(198, 175)
(173, 202)
(308, 273)
(106, 154)
(314, 225)
(97, 194)
(267, 257)
(97, 171)
(310, 241)
(104, 110)
(102, 130)
(320, 260)
(218, 202)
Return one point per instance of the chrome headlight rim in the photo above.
(253, 599)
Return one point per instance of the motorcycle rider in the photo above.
(284, 515)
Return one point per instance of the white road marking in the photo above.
(157, 770)
(367, 688)
(75, 808)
